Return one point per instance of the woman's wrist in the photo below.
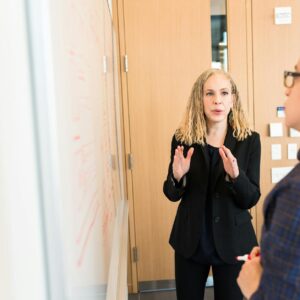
(177, 178)
(230, 179)
(179, 183)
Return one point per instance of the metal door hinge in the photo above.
(130, 161)
(135, 257)
(126, 63)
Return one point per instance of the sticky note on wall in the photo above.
(292, 151)
(283, 15)
(280, 112)
(276, 151)
(294, 133)
(279, 173)
(276, 129)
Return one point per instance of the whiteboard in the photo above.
(79, 123)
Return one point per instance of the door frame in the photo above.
(119, 25)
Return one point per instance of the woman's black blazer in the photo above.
(233, 232)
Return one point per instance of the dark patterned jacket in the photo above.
(280, 244)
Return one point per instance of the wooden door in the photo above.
(168, 45)
(240, 50)
(275, 48)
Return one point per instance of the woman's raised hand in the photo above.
(229, 162)
(181, 164)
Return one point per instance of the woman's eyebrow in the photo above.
(221, 89)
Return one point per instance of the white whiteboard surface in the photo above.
(21, 231)
(80, 144)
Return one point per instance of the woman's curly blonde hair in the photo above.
(193, 129)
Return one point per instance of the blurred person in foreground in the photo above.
(273, 270)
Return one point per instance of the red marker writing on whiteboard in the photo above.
(245, 257)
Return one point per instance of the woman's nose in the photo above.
(217, 100)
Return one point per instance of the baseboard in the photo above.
(164, 285)
(130, 288)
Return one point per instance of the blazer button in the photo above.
(217, 195)
(216, 219)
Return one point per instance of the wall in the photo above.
(275, 48)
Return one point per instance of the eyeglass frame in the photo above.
(293, 75)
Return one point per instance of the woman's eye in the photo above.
(209, 94)
(224, 93)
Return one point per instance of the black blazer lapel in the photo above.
(206, 157)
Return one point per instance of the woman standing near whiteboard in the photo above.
(214, 170)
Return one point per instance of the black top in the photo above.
(206, 251)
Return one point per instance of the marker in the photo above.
(245, 257)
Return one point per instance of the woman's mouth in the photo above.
(217, 111)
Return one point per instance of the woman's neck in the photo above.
(216, 134)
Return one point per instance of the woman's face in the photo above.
(217, 99)
(292, 103)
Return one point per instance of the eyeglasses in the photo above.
(289, 78)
